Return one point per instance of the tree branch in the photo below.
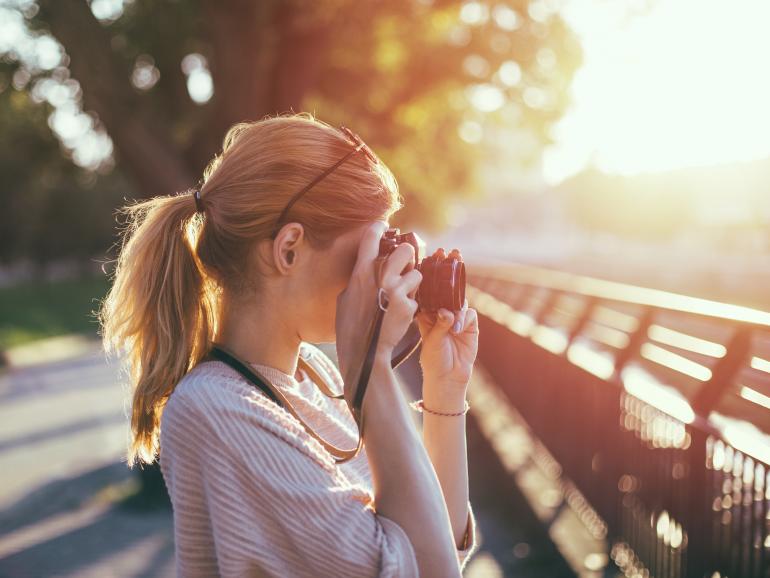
(300, 55)
(145, 149)
(242, 57)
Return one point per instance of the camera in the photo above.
(443, 276)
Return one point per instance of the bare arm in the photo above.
(447, 359)
(406, 488)
(444, 439)
(405, 485)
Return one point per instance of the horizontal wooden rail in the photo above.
(621, 292)
(656, 405)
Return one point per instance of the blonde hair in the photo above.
(162, 309)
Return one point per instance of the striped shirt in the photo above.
(254, 494)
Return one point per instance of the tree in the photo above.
(50, 207)
(401, 72)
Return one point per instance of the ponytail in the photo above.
(159, 312)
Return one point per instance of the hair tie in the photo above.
(198, 202)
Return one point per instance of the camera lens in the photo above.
(443, 282)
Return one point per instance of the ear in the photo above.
(286, 247)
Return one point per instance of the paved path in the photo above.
(63, 433)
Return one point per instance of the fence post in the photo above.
(697, 507)
(737, 350)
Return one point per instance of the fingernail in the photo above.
(456, 327)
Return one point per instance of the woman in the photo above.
(274, 252)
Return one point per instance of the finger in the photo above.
(424, 323)
(409, 283)
(471, 322)
(402, 256)
(403, 304)
(459, 323)
(444, 320)
(413, 306)
(369, 247)
(430, 316)
(413, 293)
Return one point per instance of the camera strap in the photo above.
(340, 455)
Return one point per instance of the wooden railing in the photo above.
(656, 406)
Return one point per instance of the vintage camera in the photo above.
(443, 276)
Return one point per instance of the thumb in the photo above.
(444, 320)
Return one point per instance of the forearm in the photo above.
(405, 485)
(445, 441)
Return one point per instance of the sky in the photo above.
(665, 84)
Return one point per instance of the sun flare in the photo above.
(665, 84)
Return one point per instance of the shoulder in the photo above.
(215, 397)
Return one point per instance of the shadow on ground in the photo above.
(94, 524)
(511, 535)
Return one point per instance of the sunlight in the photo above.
(754, 396)
(675, 361)
(597, 363)
(684, 341)
(639, 384)
(665, 85)
(760, 364)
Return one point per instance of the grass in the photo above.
(36, 310)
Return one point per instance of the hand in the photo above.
(400, 281)
(357, 304)
(449, 347)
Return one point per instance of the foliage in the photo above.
(401, 73)
(35, 310)
(51, 209)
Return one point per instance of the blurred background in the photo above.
(608, 140)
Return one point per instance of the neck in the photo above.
(259, 332)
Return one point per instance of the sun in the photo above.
(665, 84)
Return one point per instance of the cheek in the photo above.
(336, 279)
(330, 279)
(338, 271)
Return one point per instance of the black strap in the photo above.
(366, 368)
(220, 354)
(340, 455)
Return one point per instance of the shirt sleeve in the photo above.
(280, 507)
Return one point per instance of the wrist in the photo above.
(452, 402)
(441, 387)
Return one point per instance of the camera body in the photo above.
(443, 276)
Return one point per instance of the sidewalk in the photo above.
(63, 434)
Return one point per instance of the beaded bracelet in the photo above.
(420, 406)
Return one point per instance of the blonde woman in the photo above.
(274, 252)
